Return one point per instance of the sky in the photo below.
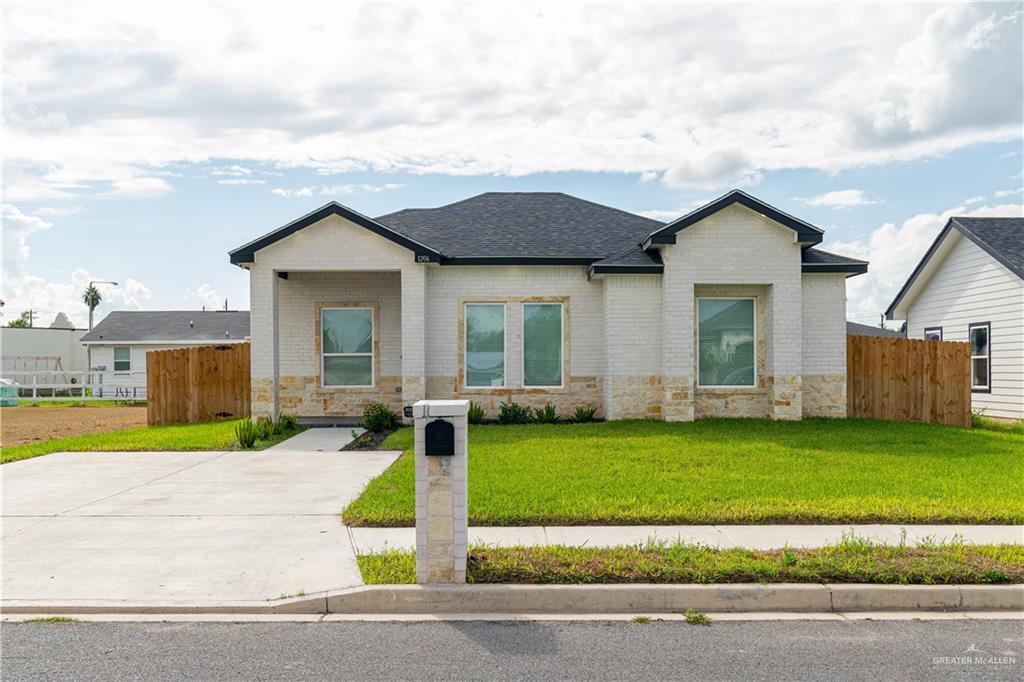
(143, 142)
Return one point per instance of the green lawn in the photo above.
(851, 561)
(721, 471)
(207, 436)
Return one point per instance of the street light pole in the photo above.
(91, 308)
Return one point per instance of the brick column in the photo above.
(787, 350)
(442, 502)
(414, 353)
(678, 323)
(263, 333)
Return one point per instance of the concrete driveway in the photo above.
(188, 527)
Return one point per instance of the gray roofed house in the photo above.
(969, 286)
(854, 329)
(544, 297)
(118, 344)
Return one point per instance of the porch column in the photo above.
(414, 352)
(677, 334)
(263, 333)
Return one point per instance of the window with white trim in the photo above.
(979, 335)
(933, 334)
(346, 346)
(726, 341)
(484, 360)
(122, 359)
(542, 344)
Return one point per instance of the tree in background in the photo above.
(24, 320)
(92, 298)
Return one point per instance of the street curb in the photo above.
(593, 599)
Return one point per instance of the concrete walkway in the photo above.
(318, 439)
(752, 537)
(180, 527)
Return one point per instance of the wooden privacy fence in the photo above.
(197, 384)
(908, 380)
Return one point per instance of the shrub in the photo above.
(584, 413)
(264, 428)
(514, 413)
(246, 433)
(476, 414)
(546, 414)
(378, 417)
(288, 422)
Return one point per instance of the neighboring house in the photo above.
(42, 350)
(119, 343)
(970, 287)
(854, 329)
(542, 297)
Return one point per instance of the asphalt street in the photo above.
(468, 650)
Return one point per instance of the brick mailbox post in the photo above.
(442, 533)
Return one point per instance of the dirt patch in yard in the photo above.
(20, 425)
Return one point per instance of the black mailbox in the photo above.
(407, 411)
(440, 438)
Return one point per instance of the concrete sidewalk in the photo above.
(318, 439)
(752, 537)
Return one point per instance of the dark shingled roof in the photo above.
(525, 224)
(170, 325)
(550, 228)
(854, 329)
(1003, 238)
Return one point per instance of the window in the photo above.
(346, 346)
(485, 344)
(979, 334)
(542, 344)
(122, 359)
(726, 341)
(933, 334)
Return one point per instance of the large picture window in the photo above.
(346, 346)
(726, 342)
(485, 345)
(542, 344)
(122, 359)
(981, 355)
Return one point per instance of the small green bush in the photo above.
(264, 428)
(288, 422)
(378, 417)
(546, 414)
(584, 413)
(246, 433)
(476, 414)
(514, 413)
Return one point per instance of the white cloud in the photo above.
(894, 252)
(139, 188)
(59, 211)
(241, 181)
(299, 193)
(17, 227)
(101, 93)
(1009, 192)
(22, 291)
(208, 296)
(649, 176)
(843, 198)
(233, 170)
(358, 189)
(973, 200)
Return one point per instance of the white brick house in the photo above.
(543, 297)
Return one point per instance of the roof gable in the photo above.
(805, 232)
(1000, 238)
(247, 253)
(140, 326)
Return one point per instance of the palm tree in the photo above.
(91, 297)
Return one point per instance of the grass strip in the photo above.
(720, 471)
(218, 435)
(850, 561)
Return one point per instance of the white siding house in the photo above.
(543, 298)
(970, 287)
(117, 346)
